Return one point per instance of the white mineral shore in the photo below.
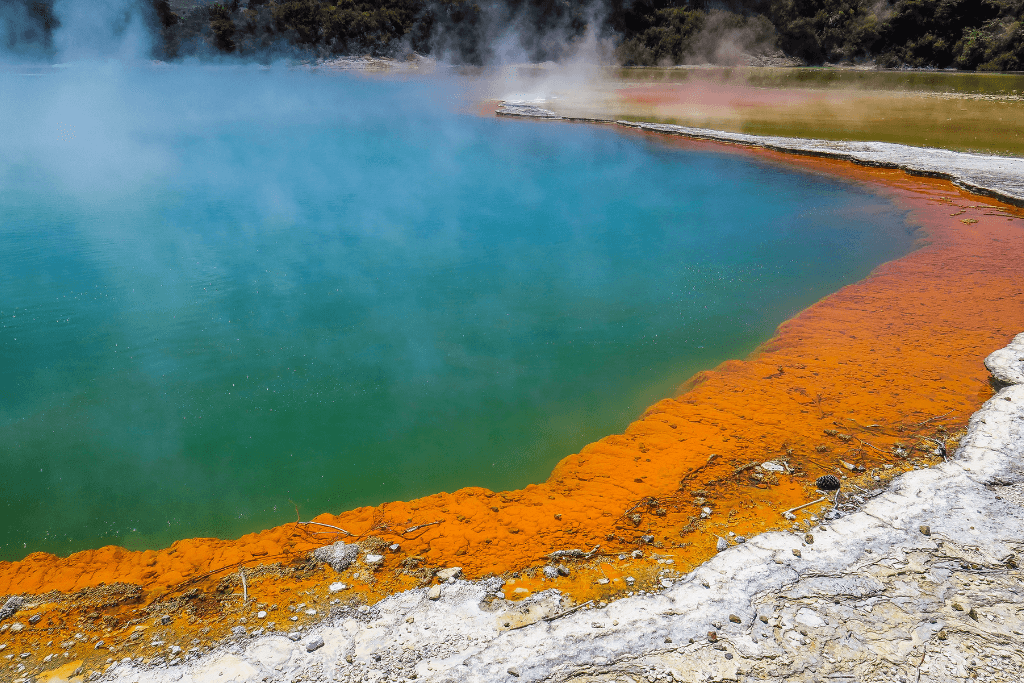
(920, 584)
(990, 175)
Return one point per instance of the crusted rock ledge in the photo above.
(1007, 364)
(922, 584)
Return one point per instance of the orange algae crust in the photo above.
(862, 385)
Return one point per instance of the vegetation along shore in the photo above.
(985, 35)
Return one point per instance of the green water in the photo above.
(226, 289)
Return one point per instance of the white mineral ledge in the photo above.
(987, 174)
(920, 584)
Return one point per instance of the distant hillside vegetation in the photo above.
(962, 34)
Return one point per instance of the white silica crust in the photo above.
(1007, 364)
(921, 584)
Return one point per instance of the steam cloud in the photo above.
(493, 33)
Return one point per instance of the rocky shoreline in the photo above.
(993, 176)
(922, 583)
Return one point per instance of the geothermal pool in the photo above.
(227, 291)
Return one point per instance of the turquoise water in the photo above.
(225, 289)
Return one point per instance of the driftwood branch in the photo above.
(805, 505)
(574, 553)
(329, 526)
(568, 611)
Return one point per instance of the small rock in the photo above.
(294, 636)
(636, 554)
(713, 636)
(337, 555)
(717, 625)
(722, 544)
(373, 559)
(647, 539)
(601, 581)
(434, 593)
(630, 580)
(763, 618)
(728, 655)
(311, 612)
(973, 614)
(808, 539)
(563, 570)
(958, 607)
(512, 671)
(261, 614)
(741, 539)
(337, 586)
(410, 620)
(238, 632)
(941, 635)
(11, 607)
(293, 618)
(34, 619)
(449, 573)
(315, 644)
(17, 627)
(735, 619)
(796, 551)
(926, 530)
(173, 648)
(98, 645)
(394, 547)
(165, 619)
(550, 572)
(349, 658)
